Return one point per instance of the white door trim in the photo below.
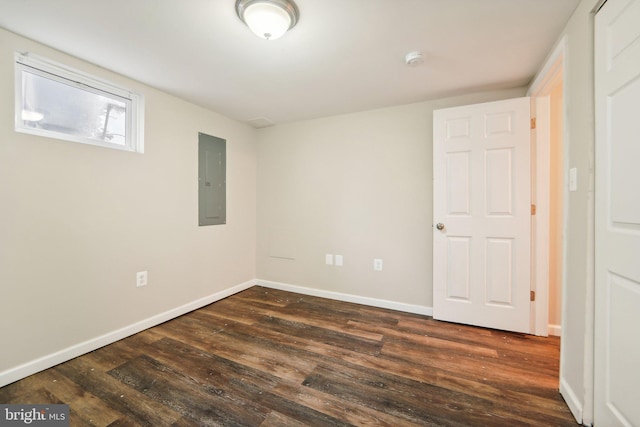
(539, 91)
(580, 402)
(540, 222)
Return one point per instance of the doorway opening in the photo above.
(549, 170)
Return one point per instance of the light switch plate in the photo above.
(573, 179)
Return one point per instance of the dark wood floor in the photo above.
(271, 358)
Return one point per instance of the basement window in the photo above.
(56, 101)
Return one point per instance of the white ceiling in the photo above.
(343, 56)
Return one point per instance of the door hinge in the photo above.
(533, 122)
(533, 209)
(532, 295)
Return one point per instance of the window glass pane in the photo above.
(51, 105)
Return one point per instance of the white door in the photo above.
(482, 203)
(617, 266)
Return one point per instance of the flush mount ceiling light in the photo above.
(268, 19)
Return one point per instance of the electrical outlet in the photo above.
(339, 260)
(377, 264)
(141, 278)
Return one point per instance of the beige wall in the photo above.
(77, 222)
(576, 367)
(358, 185)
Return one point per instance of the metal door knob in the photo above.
(440, 226)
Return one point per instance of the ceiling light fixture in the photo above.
(268, 19)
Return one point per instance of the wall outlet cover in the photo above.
(141, 278)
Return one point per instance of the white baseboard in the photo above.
(48, 361)
(570, 397)
(374, 302)
(555, 330)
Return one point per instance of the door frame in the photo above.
(539, 91)
(581, 406)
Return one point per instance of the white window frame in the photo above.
(134, 139)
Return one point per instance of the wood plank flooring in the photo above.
(271, 358)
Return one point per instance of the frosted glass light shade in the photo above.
(268, 19)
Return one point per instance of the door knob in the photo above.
(440, 226)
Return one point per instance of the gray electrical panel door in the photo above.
(212, 180)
